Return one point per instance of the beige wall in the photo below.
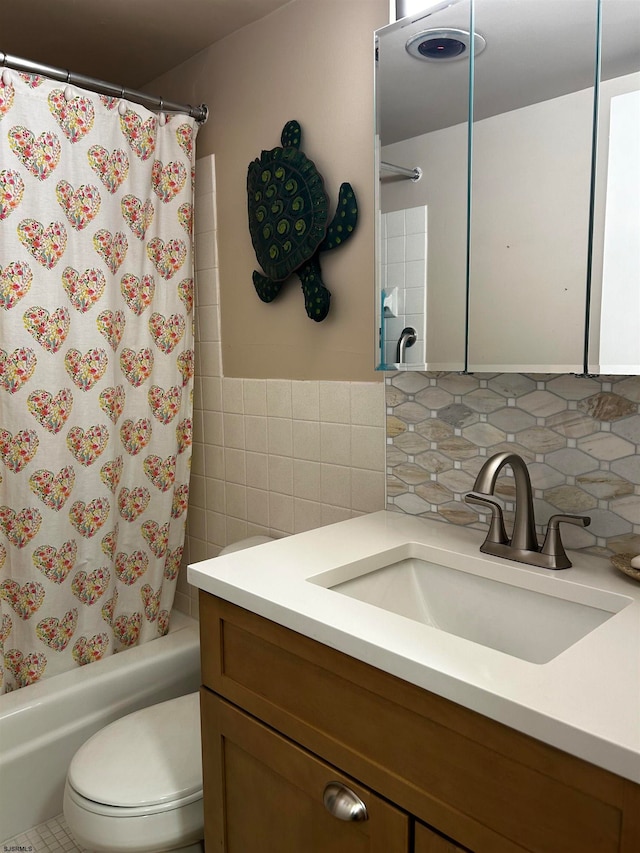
(311, 60)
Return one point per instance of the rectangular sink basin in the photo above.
(523, 622)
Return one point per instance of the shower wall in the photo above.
(403, 237)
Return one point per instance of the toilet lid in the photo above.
(146, 758)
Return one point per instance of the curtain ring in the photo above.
(122, 107)
(162, 119)
(68, 91)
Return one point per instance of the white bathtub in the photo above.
(41, 726)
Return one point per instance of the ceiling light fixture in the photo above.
(443, 45)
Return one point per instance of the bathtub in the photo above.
(41, 726)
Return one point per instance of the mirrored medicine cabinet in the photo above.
(508, 208)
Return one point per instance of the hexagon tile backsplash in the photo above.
(579, 436)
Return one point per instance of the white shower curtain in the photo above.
(96, 373)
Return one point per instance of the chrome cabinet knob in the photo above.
(341, 802)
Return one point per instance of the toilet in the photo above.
(136, 785)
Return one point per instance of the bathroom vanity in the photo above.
(449, 744)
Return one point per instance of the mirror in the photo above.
(511, 252)
(422, 123)
(613, 332)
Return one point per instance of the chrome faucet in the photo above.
(523, 545)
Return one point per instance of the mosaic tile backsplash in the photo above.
(579, 436)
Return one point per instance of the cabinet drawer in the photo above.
(490, 788)
(427, 841)
(265, 794)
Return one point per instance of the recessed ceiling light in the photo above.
(443, 45)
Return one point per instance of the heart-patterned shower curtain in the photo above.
(96, 373)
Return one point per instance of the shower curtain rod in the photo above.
(16, 63)
(414, 174)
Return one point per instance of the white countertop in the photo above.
(585, 701)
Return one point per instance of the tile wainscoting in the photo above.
(579, 436)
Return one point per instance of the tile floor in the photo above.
(53, 836)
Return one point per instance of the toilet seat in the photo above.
(129, 811)
(149, 758)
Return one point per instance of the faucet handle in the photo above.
(553, 546)
(497, 532)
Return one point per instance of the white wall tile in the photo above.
(197, 490)
(232, 395)
(258, 507)
(416, 247)
(335, 443)
(205, 243)
(281, 474)
(306, 440)
(255, 396)
(209, 358)
(414, 302)
(204, 216)
(212, 430)
(197, 522)
(367, 403)
(396, 274)
(367, 490)
(234, 431)
(236, 529)
(395, 224)
(335, 485)
(281, 512)
(235, 465)
(236, 500)
(395, 250)
(216, 495)
(335, 402)
(280, 436)
(213, 461)
(415, 274)
(211, 393)
(368, 446)
(332, 514)
(306, 479)
(307, 515)
(279, 398)
(256, 433)
(305, 400)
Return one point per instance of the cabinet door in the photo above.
(264, 794)
(427, 841)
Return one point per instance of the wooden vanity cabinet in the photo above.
(283, 716)
(265, 794)
(427, 841)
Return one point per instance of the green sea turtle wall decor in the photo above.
(289, 221)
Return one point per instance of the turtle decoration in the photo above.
(289, 221)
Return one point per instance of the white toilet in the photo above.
(136, 785)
